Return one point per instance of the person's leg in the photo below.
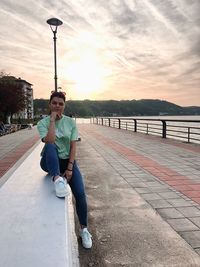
(49, 161)
(50, 164)
(78, 190)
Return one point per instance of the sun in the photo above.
(85, 70)
(87, 76)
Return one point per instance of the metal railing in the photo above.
(184, 130)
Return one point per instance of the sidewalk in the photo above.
(143, 195)
(12, 148)
(12, 141)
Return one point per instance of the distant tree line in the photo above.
(144, 107)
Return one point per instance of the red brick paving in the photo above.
(195, 187)
(193, 194)
(178, 181)
(182, 188)
(186, 181)
(197, 200)
(13, 156)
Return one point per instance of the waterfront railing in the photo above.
(184, 130)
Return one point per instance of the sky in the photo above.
(106, 49)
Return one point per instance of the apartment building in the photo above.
(28, 112)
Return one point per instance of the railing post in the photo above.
(135, 126)
(101, 121)
(119, 123)
(164, 129)
(188, 134)
(147, 128)
(109, 122)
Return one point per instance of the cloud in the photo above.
(142, 48)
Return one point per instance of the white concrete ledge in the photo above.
(37, 228)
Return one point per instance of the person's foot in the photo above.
(61, 187)
(86, 238)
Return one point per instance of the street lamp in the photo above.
(54, 23)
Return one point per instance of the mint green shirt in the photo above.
(66, 131)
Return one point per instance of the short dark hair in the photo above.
(57, 94)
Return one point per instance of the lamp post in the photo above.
(54, 23)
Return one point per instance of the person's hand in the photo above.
(55, 115)
(68, 175)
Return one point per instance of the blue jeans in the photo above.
(51, 163)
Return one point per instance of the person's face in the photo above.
(57, 104)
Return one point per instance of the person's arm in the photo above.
(72, 154)
(51, 135)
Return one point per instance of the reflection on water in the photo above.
(82, 120)
(196, 117)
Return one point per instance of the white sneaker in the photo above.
(61, 187)
(86, 238)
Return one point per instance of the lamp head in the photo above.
(54, 22)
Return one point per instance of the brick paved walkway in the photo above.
(165, 173)
(14, 146)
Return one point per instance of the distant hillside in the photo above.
(143, 107)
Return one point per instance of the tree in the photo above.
(12, 97)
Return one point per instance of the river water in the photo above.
(196, 117)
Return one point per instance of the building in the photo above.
(28, 112)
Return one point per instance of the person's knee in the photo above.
(43, 165)
(50, 147)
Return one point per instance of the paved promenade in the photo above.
(143, 195)
(13, 147)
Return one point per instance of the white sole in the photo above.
(62, 194)
(86, 246)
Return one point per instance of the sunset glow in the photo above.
(105, 49)
(85, 73)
